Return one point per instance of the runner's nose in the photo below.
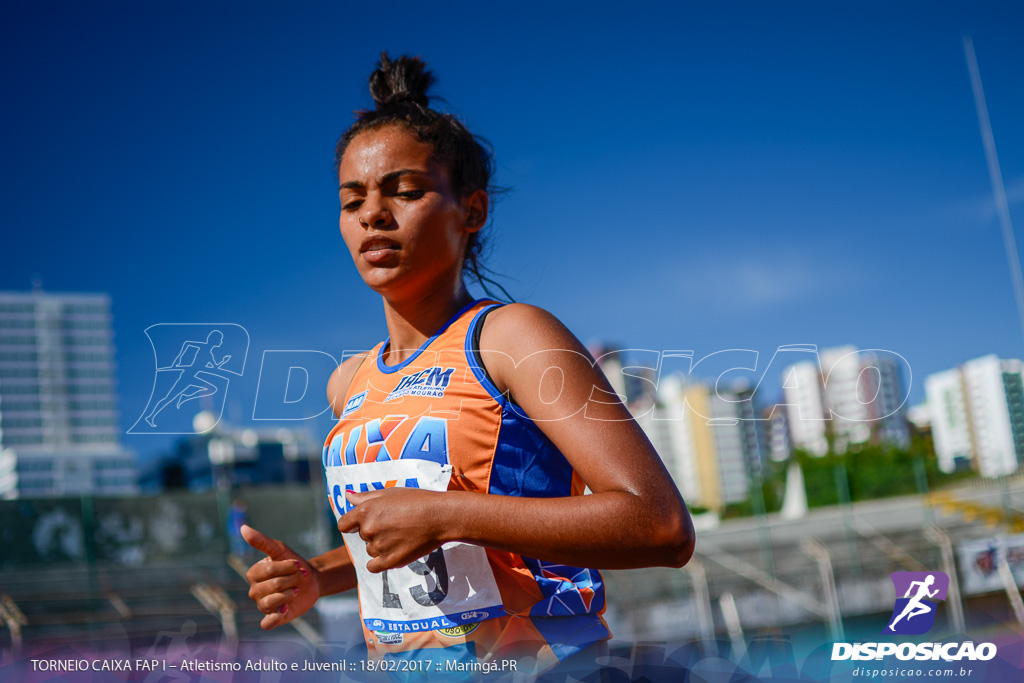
(374, 214)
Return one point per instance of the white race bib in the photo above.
(451, 586)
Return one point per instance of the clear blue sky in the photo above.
(707, 177)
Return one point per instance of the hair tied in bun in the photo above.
(403, 81)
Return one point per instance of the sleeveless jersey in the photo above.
(435, 421)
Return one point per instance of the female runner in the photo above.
(465, 439)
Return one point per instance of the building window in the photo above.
(88, 372)
(84, 324)
(93, 438)
(92, 405)
(13, 373)
(16, 308)
(34, 465)
(11, 389)
(17, 340)
(22, 440)
(14, 407)
(93, 422)
(19, 356)
(22, 423)
(85, 340)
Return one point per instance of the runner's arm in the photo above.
(285, 579)
(635, 516)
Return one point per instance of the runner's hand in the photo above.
(283, 584)
(397, 525)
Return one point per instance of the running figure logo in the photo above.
(193, 367)
(914, 613)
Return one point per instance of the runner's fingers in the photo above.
(365, 533)
(377, 547)
(276, 619)
(281, 584)
(349, 522)
(355, 521)
(264, 571)
(272, 604)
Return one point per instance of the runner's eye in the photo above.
(352, 205)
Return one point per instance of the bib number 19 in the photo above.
(434, 568)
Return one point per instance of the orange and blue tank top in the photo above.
(436, 421)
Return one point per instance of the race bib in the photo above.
(451, 586)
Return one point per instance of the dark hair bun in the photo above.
(405, 80)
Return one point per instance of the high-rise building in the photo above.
(734, 428)
(707, 439)
(882, 390)
(58, 399)
(844, 396)
(805, 404)
(977, 415)
(848, 395)
(775, 433)
(698, 413)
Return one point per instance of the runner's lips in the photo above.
(377, 244)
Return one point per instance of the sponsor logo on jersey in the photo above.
(458, 631)
(431, 383)
(353, 404)
(388, 638)
(380, 440)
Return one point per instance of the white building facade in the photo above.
(851, 395)
(805, 406)
(977, 415)
(59, 432)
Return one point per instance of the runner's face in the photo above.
(403, 226)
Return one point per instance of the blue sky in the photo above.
(702, 177)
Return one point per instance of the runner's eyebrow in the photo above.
(386, 178)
